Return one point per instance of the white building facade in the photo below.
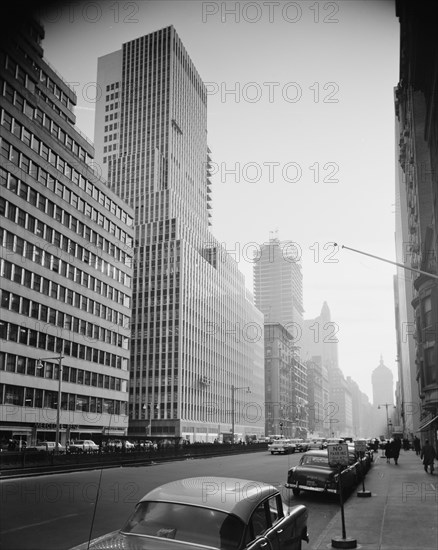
(197, 338)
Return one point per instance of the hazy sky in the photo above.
(301, 127)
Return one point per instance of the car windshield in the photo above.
(315, 460)
(186, 523)
(79, 442)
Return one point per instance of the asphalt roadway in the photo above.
(55, 512)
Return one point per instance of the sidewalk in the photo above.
(401, 514)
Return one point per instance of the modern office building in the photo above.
(66, 262)
(278, 285)
(197, 342)
(417, 138)
(285, 384)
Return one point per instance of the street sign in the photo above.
(338, 454)
(360, 446)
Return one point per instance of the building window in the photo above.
(427, 312)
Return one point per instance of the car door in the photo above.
(285, 532)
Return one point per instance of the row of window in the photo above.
(109, 137)
(43, 119)
(41, 312)
(45, 152)
(41, 340)
(38, 200)
(111, 127)
(36, 254)
(113, 86)
(109, 148)
(28, 366)
(28, 279)
(60, 242)
(111, 106)
(112, 116)
(45, 178)
(47, 399)
(21, 76)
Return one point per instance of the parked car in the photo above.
(313, 473)
(282, 446)
(46, 446)
(83, 446)
(209, 512)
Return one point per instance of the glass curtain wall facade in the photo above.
(197, 338)
(66, 244)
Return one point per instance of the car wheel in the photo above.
(272, 452)
(296, 492)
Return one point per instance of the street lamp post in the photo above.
(233, 391)
(60, 357)
(388, 423)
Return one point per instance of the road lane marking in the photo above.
(39, 523)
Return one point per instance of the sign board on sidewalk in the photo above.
(338, 454)
(360, 446)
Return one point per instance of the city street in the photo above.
(55, 512)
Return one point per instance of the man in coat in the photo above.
(428, 455)
(396, 446)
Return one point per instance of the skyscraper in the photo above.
(278, 289)
(383, 398)
(197, 337)
(278, 285)
(66, 244)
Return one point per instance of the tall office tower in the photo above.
(278, 285)
(66, 262)
(383, 398)
(197, 337)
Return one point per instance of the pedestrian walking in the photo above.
(388, 451)
(396, 446)
(428, 455)
(417, 446)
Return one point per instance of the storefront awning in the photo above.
(427, 423)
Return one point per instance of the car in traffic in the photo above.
(83, 446)
(209, 512)
(313, 473)
(300, 445)
(315, 444)
(282, 446)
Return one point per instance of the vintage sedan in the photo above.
(313, 473)
(209, 512)
(83, 446)
(282, 446)
(47, 446)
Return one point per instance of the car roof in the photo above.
(228, 494)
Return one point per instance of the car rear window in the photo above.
(186, 523)
(316, 460)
